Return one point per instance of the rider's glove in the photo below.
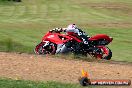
(50, 30)
(53, 30)
(58, 29)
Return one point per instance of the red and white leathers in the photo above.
(72, 29)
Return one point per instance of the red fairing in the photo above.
(54, 37)
(101, 36)
(75, 38)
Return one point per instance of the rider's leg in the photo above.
(61, 48)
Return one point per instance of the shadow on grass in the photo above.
(6, 2)
(9, 45)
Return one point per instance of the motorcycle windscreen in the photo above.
(54, 38)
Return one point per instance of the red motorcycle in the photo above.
(54, 43)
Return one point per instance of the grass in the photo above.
(22, 25)
(9, 83)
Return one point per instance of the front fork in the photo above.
(47, 43)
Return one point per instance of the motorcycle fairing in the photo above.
(56, 38)
(100, 36)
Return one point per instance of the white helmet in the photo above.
(72, 26)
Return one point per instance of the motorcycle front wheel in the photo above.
(39, 49)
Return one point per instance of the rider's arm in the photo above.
(58, 30)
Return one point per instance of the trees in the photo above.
(15, 0)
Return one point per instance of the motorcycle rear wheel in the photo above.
(106, 53)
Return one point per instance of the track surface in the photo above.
(40, 68)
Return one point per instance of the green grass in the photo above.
(8, 83)
(22, 25)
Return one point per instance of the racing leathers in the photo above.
(75, 32)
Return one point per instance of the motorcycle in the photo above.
(55, 43)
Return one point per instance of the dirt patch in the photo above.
(109, 5)
(122, 9)
(32, 67)
(106, 5)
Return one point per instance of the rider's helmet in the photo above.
(71, 29)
